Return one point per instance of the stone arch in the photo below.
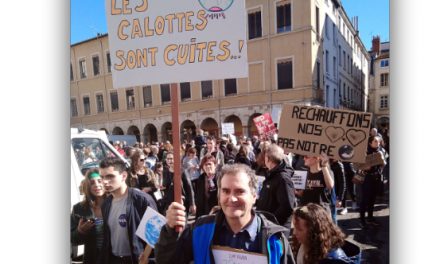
(238, 126)
(134, 130)
(211, 126)
(117, 131)
(150, 133)
(166, 132)
(252, 129)
(187, 130)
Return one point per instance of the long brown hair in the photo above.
(89, 199)
(322, 234)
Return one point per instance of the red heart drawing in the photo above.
(355, 136)
(334, 133)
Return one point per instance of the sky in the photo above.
(87, 18)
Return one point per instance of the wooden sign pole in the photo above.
(176, 146)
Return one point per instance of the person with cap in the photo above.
(86, 223)
(122, 212)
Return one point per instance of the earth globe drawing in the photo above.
(216, 5)
(152, 229)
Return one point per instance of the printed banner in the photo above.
(265, 125)
(164, 41)
(310, 130)
(150, 226)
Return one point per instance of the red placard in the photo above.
(265, 125)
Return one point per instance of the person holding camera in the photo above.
(86, 223)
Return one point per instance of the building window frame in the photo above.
(130, 98)
(86, 107)
(82, 67)
(256, 32)
(165, 93)
(73, 107)
(100, 104)
(286, 19)
(108, 61)
(185, 90)
(285, 83)
(147, 93)
(384, 79)
(114, 105)
(96, 64)
(205, 94)
(230, 86)
(384, 63)
(383, 102)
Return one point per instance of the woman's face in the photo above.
(141, 161)
(209, 167)
(170, 160)
(375, 143)
(310, 161)
(159, 170)
(300, 230)
(97, 187)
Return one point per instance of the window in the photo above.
(283, 17)
(318, 74)
(73, 109)
(100, 103)
(71, 72)
(230, 86)
(109, 63)
(339, 55)
(129, 97)
(334, 33)
(86, 102)
(344, 93)
(327, 70)
(82, 68)
(384, 79)
(95, 60)
(206, 89)
(327, 31)
(114, 101)
(254, 25)
(340, 90)
(165, 93)
(384, 63)
(185, 91)
(384, 101)
(317, 22)
(334, 66)
(343, 56)
(148, 98)
(285, 78)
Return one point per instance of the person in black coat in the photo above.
(277, 195)
(205, 192)
(168, 185)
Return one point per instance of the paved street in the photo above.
(374, 241)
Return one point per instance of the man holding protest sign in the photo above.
(236, 226)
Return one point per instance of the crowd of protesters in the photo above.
(330, 184)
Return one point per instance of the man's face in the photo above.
(236, 198)
(210, 144)
(112, 179)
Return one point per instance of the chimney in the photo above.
(376, 45)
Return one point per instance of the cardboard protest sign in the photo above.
(308, 130)
(370, 161)
(155, 41)
(228, 128)
(299, 179)
(265, 125)
(235, 256)
(150, 226)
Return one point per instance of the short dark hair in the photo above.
(116, 163)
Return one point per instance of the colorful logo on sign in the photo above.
(216, 5)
